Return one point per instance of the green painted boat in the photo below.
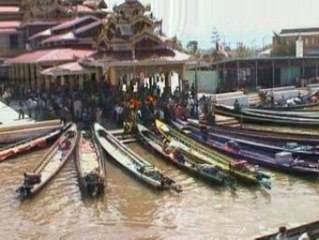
(240, 169)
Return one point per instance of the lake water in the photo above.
(131, 210)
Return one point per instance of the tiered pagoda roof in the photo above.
(128, 36)
(132, 36)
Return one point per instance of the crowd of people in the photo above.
(100, 101)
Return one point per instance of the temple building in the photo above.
(124, 47)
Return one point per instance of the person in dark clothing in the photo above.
(21, 110)
(237, 107)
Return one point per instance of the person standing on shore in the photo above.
(21, 110)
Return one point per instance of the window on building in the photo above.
(14, 42)
(306, 41)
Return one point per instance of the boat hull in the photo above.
(258, 159)
(248, 117)
(189, 167)
(90, 165)
(52, 162)
(19, 133)
(125, 157)
(248, 174)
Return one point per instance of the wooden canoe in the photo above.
(22, 132)
(231, 148)
(208, 172)
(51, 163)
(297, 114)
(256, 134)
(265, 145)
(135, 164)
(294, 233)
(288, 108)
(30, 144)
(90, 165)
(240, 170)
(250, 117)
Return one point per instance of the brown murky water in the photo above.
(131, 210)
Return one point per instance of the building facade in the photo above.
(124, 47)
(289, 38)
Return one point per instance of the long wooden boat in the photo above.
(90, 165)
(136, 165)
(28, 145)
(289, 107)
(249, 117)
(283, 161)
(294, 233)
(298, 114)
(239, 169)
(256, 134)
(19, 133)
(51, 163)
(173, 154)
(263, 145)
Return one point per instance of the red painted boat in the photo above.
(29, 144)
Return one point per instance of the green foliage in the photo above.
(243, 51)
(192, 47)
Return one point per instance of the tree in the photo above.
(192, 47)
(215, 38)
(243, 51)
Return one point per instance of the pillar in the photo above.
(237, 73)
(33, 72)
(27, 75)
(97, 75)
(289, 71)
(11, 78)
(256, 74)
(81, 80)
(273, 73)
(167, 83)
(112, 75)
(62, 80)
(316, 69)
(21, 78)
(71, 79)
(47, 82)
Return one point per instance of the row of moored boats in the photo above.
(219, 155)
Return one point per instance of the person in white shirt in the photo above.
(304, 236)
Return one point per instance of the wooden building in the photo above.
(308, 36)
(125, 47)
